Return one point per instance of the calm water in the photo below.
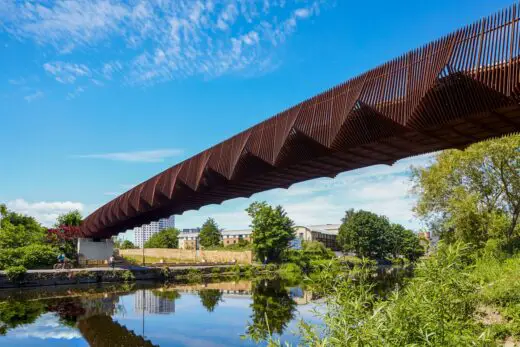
(213, 314)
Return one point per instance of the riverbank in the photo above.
(39, 278)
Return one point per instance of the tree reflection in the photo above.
(272, 308)
(15, 313)
(166, 294)
(210, 298)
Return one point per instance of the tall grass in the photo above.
(439, 306)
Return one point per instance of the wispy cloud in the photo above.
(17, 81)
(75, 93)
(66, 73)
(168, 39)
(34, 96)
(45, 212)
(152, 156)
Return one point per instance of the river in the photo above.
(226, 313)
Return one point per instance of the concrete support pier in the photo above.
(95, 249)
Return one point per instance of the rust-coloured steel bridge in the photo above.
(460, 89)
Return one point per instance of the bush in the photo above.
(38, 256)
(291, 272)
(127, 276)
(10, 257)
(31, 257)
(15, 273)
(271, 267)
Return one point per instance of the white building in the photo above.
(145, 300)
(145, 232)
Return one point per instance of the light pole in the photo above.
(143, 252)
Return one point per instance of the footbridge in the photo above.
(450, 93)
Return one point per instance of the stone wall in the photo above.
(241, 257)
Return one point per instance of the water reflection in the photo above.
(148, 314)
(272, 309)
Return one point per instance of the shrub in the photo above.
(10, 257)
(38, 256)
(31, 257)
(291, 272)
(15, 273)
(127, 276)
(271, 267)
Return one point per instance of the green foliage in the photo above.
(435, 308)
(127, 244)
(194, 275)
(127, 276)
(38, 256)
(15, 273)
(72, 218)
(16, 313)
(19, 231)
(167, 238)
(271, 267)
(167, 294)
(370, 235)
(472, 195)
(291, 272)
(210, 298)
(210, 234)
(365, 233)
(32, 256)
(272, 231)
(272, 310)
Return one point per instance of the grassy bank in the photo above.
(456, 298)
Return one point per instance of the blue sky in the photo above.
(97, 95)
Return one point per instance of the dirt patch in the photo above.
(488, 315)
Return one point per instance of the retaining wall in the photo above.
(241, 257)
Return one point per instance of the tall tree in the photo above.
(126, 244)
(72, 219)
(272, 231)
(210, 234)
(472, 195)
(167, 238)
(365, 233)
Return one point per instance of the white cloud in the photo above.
(152, 156)
(34, 96)
(17, 81)
(46, 327)
(44, 212)
(66, 73)
(75, 93)
(167, 39)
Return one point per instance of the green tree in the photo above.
(17, 230)
(272, 231)
(126, 244)
(210, 234)
(365, 233)
(472, 195)
(167, 238)
(210, 298)
(72, 219)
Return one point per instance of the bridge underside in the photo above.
(456, 91)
